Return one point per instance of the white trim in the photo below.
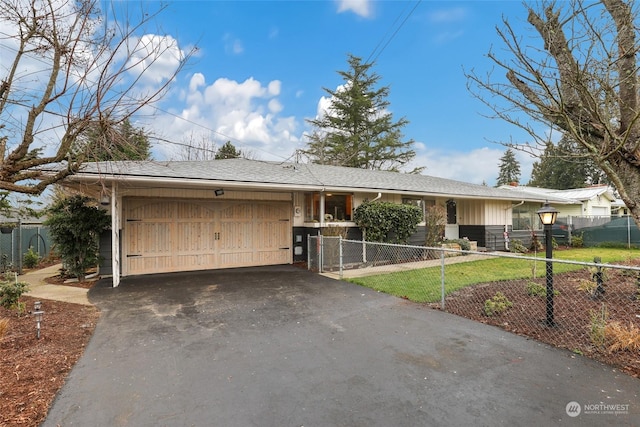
(115, 236)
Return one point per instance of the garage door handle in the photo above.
(133, 255)
(285, 248)
(133, 220)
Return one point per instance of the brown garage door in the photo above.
(163, 236)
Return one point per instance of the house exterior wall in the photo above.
(568, 210)
(484, 212)
(599, 205)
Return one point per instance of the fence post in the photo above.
(320, 252)
(308, 251)
(19, 246)
(442, 279)
(340, 241)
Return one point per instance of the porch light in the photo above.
(219, 192)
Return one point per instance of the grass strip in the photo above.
(424, 285)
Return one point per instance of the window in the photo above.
(422, 204)
(337, 207)
(525, 217)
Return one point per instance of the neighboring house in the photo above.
(197, 215)
(619, 208)
(581, 207)
(596, 200)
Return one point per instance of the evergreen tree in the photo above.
(509, 169)
(122, 142)
(228, 151)
(358, 130)
(564, 166)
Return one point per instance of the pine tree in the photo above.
(358, 130)
(564, 166)
(121, 142)
(509, 169)
(228, 151)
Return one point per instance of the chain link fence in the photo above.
(590, 308)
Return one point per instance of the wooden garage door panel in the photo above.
(164, 236)
(151, 264)
(149, 238)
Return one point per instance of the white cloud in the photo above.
(247, 113)
(445, 16)
(275, 106)
(359, 7)
(153, 57)
(232, 45)
(476, 166)
(196, 81)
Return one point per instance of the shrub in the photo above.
(577, 241)
(620, 338)
(75, 226)
(598, 321)
(517, 246)
(31, 258)
(385, 221)
(435, 223)
(497, 304)
(10, 293)
(536, 290)
(465, 244)
(587, 286)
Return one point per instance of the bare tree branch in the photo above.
(89, 69)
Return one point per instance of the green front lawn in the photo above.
(424, 285)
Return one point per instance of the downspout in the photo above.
(378, 197)
(506, 226)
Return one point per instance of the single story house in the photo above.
(198, 215)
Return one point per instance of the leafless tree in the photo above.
(197, 148)
(577, 76)
(73, 67)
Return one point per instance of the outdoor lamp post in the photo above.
(548, 217)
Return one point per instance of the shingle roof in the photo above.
(243, 172)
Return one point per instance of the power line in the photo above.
(379, 52)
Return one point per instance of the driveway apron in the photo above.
(280, 346)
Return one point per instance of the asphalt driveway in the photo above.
(279, 346)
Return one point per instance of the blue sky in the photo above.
(261, 66)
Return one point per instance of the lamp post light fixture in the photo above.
(38, 313)
(548, 217)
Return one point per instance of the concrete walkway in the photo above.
(38, 288)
